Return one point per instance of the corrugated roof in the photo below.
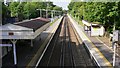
(34, 23)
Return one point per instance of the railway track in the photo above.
(66, 49)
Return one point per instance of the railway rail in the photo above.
(66, 49)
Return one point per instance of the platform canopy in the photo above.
(86, 23)
(28, 29)
(96, 25)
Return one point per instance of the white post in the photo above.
(51, 16)
(40, 13)
(54, 14)
(31, 43)
(46, 14)
(114, 57)
(0, 57)
(14, 50)
(84, 27)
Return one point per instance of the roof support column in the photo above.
(87, 29)
(84, 27)
(14, 50)
(31, 42)
(90, 30)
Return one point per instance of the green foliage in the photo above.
(5, 13)
(4, 10)
(27, 10)
(14, 9)
(107, 13)
(30, 10)
(57, 8)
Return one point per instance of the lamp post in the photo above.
(40, 12)
(53, 12)
(46, 12)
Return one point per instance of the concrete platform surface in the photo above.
(101, 50)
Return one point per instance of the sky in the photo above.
(61, 3)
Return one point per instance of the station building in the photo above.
(10, 34)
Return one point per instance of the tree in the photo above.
(20, 11)
(107, 13)
(57, 8)
(5, 13)
(14, 9)
(28, 10)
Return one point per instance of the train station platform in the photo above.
(99, 47)
(28, 56)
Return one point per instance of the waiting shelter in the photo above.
(95, 29)
(87, 25)
(27, 29)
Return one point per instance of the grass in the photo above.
(79, 21)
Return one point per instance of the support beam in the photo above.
(40, 13)
(0, 57)
(87, 29)
(84, 27)
(114, 55)
(31, 42)
(51, 16)
(14, 50)
(46, 13)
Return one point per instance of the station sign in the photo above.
(10, 33)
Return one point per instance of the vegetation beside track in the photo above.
(106, 13)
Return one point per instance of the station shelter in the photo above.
(24, 30)
(93, 28)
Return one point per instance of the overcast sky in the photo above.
(62, 4)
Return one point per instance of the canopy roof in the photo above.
(28, 29)
(86, 23)
(33, 23)
(13, 27)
